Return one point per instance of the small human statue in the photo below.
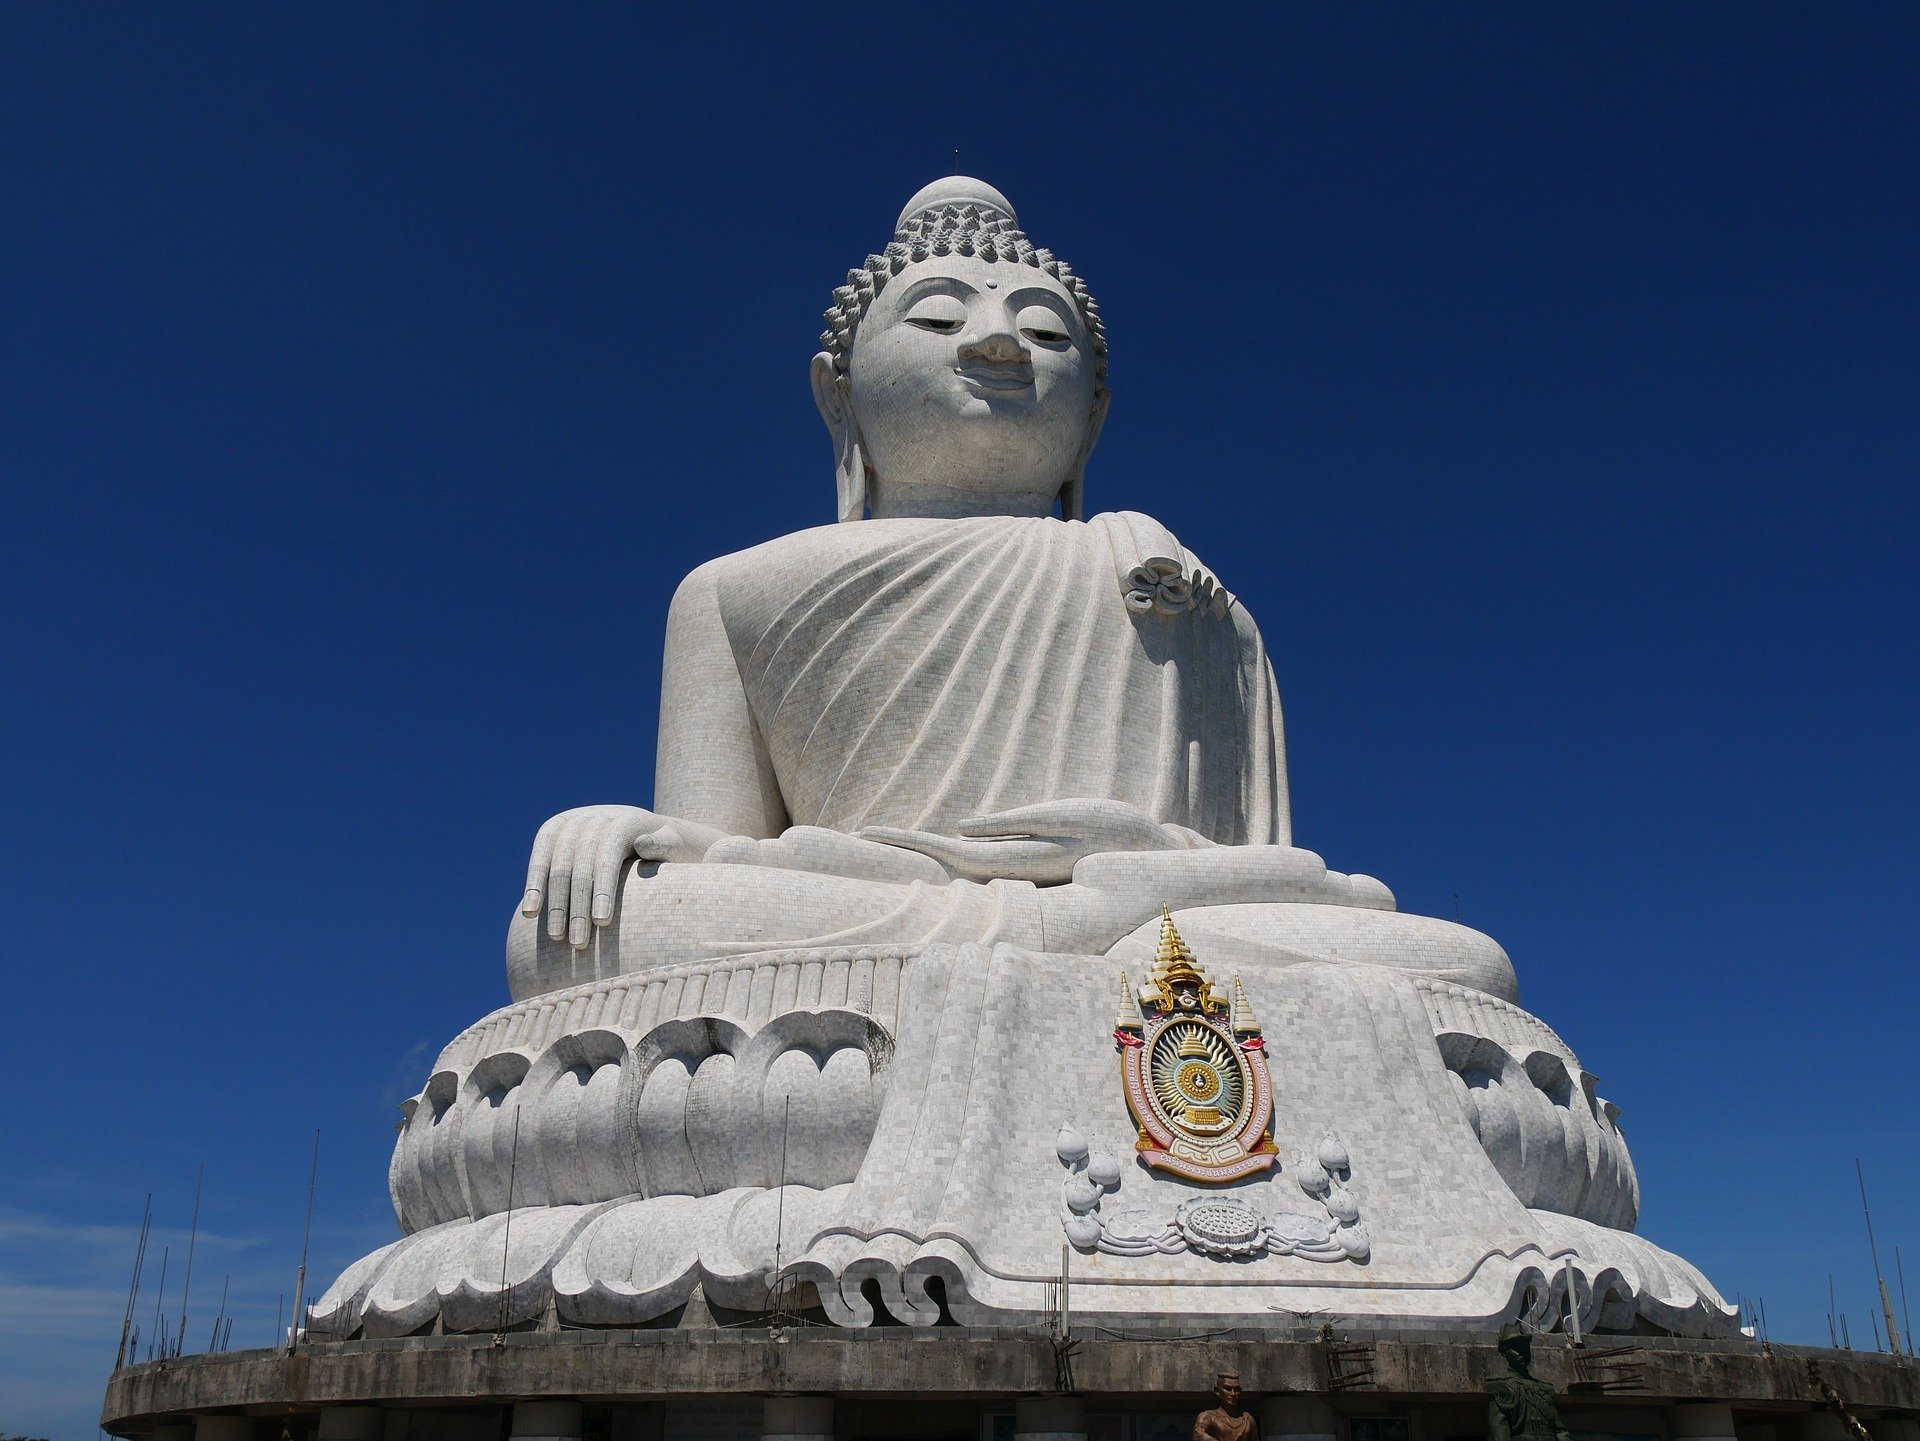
(1228, 1421)
(1521, 1406)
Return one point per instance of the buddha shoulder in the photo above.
(1123, 557)
(756, 583)
(751, 587)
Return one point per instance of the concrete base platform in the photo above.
(978, 1385)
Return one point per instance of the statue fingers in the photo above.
(616, 846)
(928, 843)
(660, 842)
(1018, 858)
(537, 866)
(560, 877)
(1113, 823)
(1039, 859)
(1062, 819)
(960, 857)
(1047, 818)
(586, 845)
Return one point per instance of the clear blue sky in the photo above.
(1546, 380)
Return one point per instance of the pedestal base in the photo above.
(964, 1385)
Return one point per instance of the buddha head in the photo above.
(964, 372)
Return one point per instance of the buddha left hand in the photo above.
(1041, 843)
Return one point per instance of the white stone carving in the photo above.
(1221, 1226)
(1209, 1222)
(925, 778)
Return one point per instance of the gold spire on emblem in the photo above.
(1242, 1013)
(1176, 982)
(1127, 1018)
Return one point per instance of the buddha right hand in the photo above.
(580, 856)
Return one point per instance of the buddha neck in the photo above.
(947, 502)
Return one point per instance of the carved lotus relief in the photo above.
(694, 1107)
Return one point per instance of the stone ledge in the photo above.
(947, 1363)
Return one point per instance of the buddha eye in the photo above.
(942, 314)
(1042, 326)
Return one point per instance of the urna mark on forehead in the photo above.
(958, 215)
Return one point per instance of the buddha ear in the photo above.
(1073, 494)
(832, 394)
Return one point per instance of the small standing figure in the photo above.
(1521, 1408)
(1229, 1421)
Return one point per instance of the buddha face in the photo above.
(972, 387)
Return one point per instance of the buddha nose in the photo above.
(999, 346)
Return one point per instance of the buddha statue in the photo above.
(969, 875)
(953, 715)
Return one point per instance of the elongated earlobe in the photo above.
(1073, 492)
(850, 476)
(1073, 496)
(830, 395)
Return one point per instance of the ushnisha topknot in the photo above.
(963, 216)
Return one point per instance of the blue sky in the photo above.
(1544, 380)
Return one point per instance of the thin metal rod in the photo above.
(780, 1205)
(159, 1298)
(1886, 1301)
(1573, 1304)
(193, 1238)
(133, 1290)
(306, 1238)
(506, 1231)
(1066, 1289)
(1906, 1316)
(213, 1342)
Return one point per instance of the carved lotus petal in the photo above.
(1082, 1194)
(1070, 1146)
(1313, 1177)
(1135, 1226)
(1104, 1169)
(1297, 1229)
(1333, 1155)
(1342, 1207)
(1083, 1232)
(1355, 1241)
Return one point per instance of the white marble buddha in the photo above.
(854, 1008)
(953, 716)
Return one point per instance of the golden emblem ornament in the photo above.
(1194, 1066)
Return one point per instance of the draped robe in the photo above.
(915, 673)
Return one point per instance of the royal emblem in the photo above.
(1195, 1069)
